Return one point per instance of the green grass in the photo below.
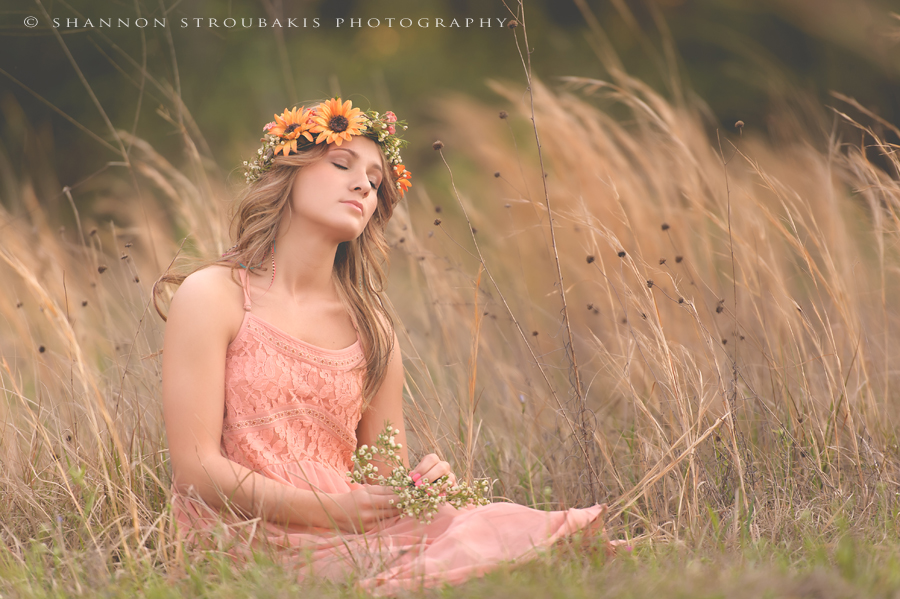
(837, 567)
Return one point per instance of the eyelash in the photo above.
(343, 168)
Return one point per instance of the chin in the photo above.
(349, 235)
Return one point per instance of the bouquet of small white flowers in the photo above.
(422, 501)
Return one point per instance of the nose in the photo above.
(360, 182)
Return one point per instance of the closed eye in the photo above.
(343, 168)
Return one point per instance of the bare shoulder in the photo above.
(210, 301)
(389, 325)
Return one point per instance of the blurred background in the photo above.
(743, 59)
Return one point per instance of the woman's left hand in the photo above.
(432, 468)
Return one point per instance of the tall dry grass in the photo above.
(729, 299)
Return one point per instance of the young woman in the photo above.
(272, 378)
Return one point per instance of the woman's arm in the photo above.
(387, 405)
(196, 339)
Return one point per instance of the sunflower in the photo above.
(336, 123)
(288, 128)
(403, 178)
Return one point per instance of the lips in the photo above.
(355, 203)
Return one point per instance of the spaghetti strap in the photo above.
(246, 287)
(353, 322)
(352, 316)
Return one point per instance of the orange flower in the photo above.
(403, 178)
(289, 127)
(336, 123)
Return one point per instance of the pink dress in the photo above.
(291, 411)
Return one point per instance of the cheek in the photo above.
(373, 219)
(372, 209)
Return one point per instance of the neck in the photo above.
(304, 263)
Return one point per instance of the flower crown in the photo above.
(330, 122)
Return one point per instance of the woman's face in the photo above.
(337, 195)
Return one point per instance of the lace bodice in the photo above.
(287, 400)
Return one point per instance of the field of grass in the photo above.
(840, 566)
(693, 325)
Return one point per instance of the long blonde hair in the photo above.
(358, 273)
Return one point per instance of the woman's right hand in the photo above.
(363, 508)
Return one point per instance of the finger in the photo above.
(448, 484)
(385, 512)
(438, 470)
(426, 463)
(379, 490)
(388, 512)
(447, 473)
(383, 501)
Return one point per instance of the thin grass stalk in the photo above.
(582, 446)
(732, 393)
(578, 388)
(473, 372)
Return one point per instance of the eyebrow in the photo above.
(356, 155)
